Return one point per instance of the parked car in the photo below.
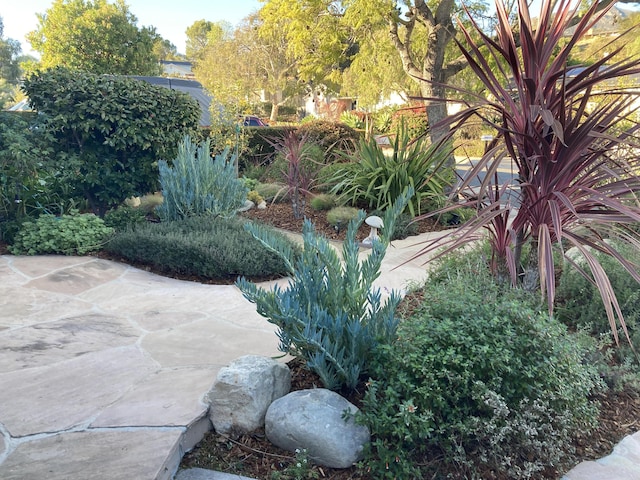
(253, 121)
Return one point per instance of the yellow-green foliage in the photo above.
(255, 197)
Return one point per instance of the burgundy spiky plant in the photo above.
(564, 130)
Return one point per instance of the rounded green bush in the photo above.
(481, 376)
(323, 201)
(341, 216)
(206, 247)
(124, 216)
(271, 191)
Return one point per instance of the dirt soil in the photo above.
(280, 215)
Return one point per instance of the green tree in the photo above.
(249, 65)
(9, 68)
(165, 50)
(331, 37)
(110, 131)
(203, 32)
(94, 36)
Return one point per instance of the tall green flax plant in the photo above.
(195, 184)
(330, 314)
(565, 130)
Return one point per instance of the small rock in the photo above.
(313, 420)
(243, 391)
(262, 205)
(248, 205)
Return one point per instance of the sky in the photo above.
(170, 17)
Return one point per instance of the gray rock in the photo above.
(262, 205)
(244, 390)
(204, 474)
(248, 205)
(313, 420)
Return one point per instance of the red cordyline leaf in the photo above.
(564, 130)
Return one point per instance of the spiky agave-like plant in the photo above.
(564, 130)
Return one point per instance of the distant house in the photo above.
(176, 68)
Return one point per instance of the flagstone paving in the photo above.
(104, 367)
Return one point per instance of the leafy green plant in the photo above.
(123, 217)
(377, 179)
(29, 186)
(207, 247)
(323, 201)
(382, 120)
(74, 234)
(329, 314)
(478, 375)
(107, 132)
(197, 185)
(565, 134)
(250, 183)
(352, 120)
(299, 469)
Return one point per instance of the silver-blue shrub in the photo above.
(195, 184)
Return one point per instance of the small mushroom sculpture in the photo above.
(375, 223)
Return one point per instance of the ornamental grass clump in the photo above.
(195, 184)
(330, 314)
(376, 179)
(480, 378)
(567, 132)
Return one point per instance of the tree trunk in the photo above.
(275, 106)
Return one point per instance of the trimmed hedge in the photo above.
(205, 247)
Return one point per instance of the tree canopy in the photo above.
(94, 36)
(363, 40)
(247, 65)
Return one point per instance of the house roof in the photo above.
(191, 87)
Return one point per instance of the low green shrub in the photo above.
(207, 247)
(123, 217)
(270, 192)
(351, 119)
(328, 176)
(323, 201)
(329, 314)
(74, 234)
(481, 378)
(579, 305)
(341, 216)
(334, 138)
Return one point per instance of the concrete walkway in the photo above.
(103, 367)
